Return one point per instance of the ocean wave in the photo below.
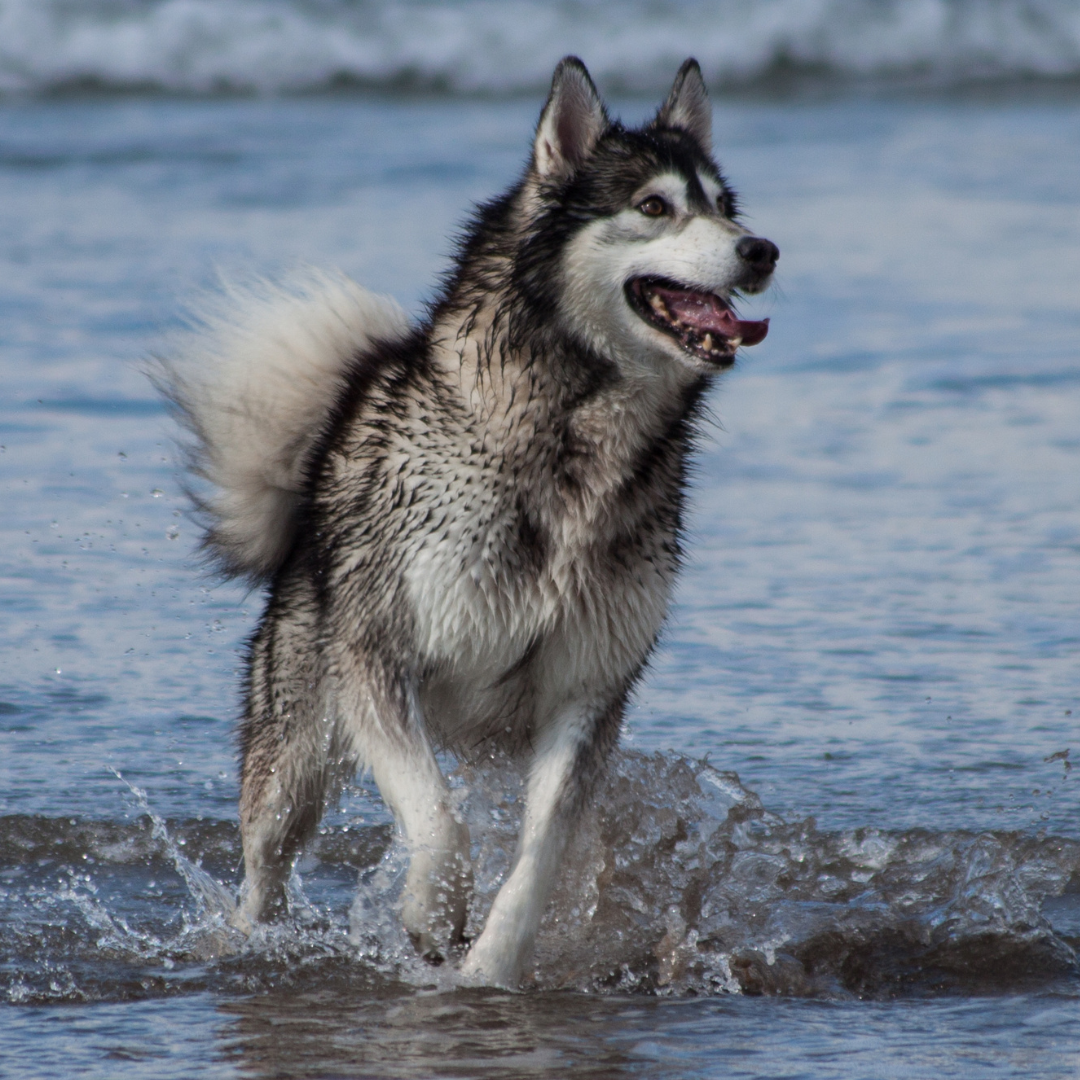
(508, 46)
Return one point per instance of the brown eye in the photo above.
(653, 206)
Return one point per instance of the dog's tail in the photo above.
(254, 383)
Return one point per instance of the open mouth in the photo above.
(701, 322)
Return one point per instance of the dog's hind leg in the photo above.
(569, 758)
(292, 755)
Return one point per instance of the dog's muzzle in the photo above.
(702, 322)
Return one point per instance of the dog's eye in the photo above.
(653, 206)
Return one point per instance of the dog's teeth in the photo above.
(736, 342)
(706, 342)
(657, 304)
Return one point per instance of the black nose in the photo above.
(761, 254)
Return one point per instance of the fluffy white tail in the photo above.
(255, 383)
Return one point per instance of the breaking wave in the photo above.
(500, 46)
(680, 882)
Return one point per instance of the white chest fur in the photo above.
(481, 601)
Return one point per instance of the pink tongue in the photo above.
(708, 314)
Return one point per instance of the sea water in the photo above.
(841, 837)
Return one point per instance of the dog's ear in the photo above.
(688, 107)
(572, 122)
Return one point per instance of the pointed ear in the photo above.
(688, 107)
(571, 124)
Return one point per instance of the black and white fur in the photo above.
(470, 528)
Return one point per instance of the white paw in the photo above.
(436, 899)
(490, 963)
(240, 920)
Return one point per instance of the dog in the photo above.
(470, 527)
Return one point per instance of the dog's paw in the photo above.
(438, 950)
(434, 905)
(239, 919)
(487, 965)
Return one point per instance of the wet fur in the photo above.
(471, 529)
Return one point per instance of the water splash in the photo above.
(699, 887)
(215, 901)
(679, 882)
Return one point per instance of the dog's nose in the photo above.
(760, 253)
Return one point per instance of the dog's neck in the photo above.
(552, 404)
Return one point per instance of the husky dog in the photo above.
(470, 527)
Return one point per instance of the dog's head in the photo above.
(643, 228)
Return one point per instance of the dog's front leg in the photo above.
(569, 757)
(297, 751)
(390, 738)
(439, 881)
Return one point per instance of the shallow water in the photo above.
(877, 872)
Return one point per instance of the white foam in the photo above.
(272, 46)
